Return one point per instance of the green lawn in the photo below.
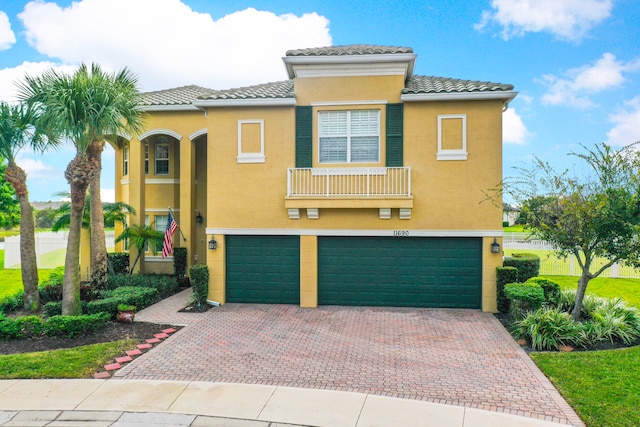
(78, 362)
(602, 386)
(11, 280)
(627, 289)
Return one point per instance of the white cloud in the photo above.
(572, 89)
(513, 129)
(7, 37)
(36, 168)
(627, 124)
(9, 77)
(565, 19)
(167, 44)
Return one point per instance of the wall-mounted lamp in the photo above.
(213, 244)
(495, 247)
(198, 217)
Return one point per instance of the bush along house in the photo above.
(352, 182)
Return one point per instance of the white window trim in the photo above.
(459, 154)
(349, 162)
(251, 157)
(125, 161)
(156, 158)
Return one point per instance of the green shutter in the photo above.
(395, 135)
(304, 139)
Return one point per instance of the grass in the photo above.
(627, 289)
(78, 362)
(11, 280)
(602, 386)
(514, 229)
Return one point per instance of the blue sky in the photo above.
(575, 63)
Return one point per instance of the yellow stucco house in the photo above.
(353, 182)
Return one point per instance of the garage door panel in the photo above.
(263, 269)
(418, 272)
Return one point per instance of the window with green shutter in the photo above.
(304, 139)
(395, 135)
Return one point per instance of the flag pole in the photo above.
(179, 228)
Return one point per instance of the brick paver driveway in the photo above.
(457, 357)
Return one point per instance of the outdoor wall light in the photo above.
(495, 247)
(198, 217)
(213, 244)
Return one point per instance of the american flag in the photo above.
(167, 247)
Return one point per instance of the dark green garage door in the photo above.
(400, 272)
(263, 269)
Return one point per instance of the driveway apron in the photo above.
(455, 357)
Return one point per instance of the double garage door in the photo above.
(364, 271)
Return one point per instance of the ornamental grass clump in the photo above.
(547, 328)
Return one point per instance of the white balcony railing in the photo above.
(349, 182)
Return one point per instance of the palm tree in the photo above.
(140, 235)
(21, 126)
(113, 212)
(89, 107)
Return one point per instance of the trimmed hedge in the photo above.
(528, 265)
(129, 295)
(66, 326)
(550, 288)
(179, 262)
(504, 275)
(524, 297)
(165, 284)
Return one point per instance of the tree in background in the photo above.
(588, 217)
(22, 126)
(140, 235)
(9, 203)
(88, 107)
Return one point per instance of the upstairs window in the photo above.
(349, 136)
(146, 159)
(162, 158)
(125, 161)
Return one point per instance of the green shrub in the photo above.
(12, 302)
(18, 327)
(528, 265)
(119, 262)
(104, 305)
(567, 300)
(547, 328)
(524, 297)
(504, 275)
(550, 288)
(51, 289)
(132, 295)
(71, 326)
(53, 308)
(200, 282)
(179, 262)
(166, 285)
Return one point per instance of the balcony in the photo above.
(373, 187)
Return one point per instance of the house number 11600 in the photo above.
(400, 233)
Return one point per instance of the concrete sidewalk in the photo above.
(123, 403)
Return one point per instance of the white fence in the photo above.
(50, 249)
(552, 265)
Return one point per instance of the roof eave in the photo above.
(507, 96)
(291, 61)
(245, 102)
(175, 107)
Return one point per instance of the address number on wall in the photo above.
(400, 233)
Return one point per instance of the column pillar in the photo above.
(217, 269)
(308, 271)
(187, 197)
(136, 195)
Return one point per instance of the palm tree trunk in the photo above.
(79, 174)
(28, 258)
(98, 243)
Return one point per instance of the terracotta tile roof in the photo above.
(429, 84)
(354, 49)
(183, 95)
(281, 89)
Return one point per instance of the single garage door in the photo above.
(263, 269)
(400, 272)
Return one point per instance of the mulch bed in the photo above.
(113, 331)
